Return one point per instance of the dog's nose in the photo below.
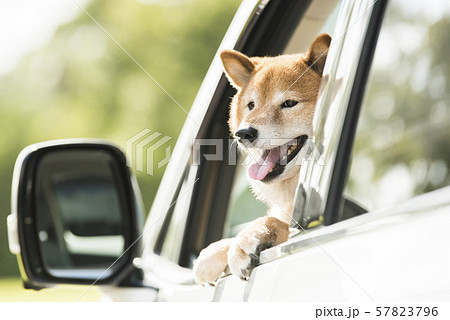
(249, 134)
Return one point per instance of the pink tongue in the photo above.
(259, 170)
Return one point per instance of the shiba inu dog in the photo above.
(271, 119)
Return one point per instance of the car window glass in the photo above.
(402, 142)
(243, 206)
(169, 241)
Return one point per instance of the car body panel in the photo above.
(366, 258)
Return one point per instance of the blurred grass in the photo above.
(11, 290)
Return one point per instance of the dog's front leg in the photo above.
(263, 233)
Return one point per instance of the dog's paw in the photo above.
(263, 233)
(211, 262)
(243, 256)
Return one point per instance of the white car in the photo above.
(372, 207)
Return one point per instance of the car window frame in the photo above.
(199, 232)
(252, 39)
(342, 165)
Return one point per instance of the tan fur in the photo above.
(268, 82)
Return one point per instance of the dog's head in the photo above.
(271, 114)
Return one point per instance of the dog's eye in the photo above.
(251, 105)
(288, 104)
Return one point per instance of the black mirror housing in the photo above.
(76, 214)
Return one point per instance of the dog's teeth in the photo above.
(270, 170)
(289, 152)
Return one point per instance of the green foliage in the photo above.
(403, 136)
(82, 84)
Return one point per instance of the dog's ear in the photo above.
(238, 67)
(317, 54)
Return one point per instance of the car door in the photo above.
(349, 57)
(330, 259)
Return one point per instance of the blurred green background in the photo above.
(402, 143)
(73, 81)
(62, 76)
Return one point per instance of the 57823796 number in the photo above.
(406, 311)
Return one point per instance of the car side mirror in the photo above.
(76, 214)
